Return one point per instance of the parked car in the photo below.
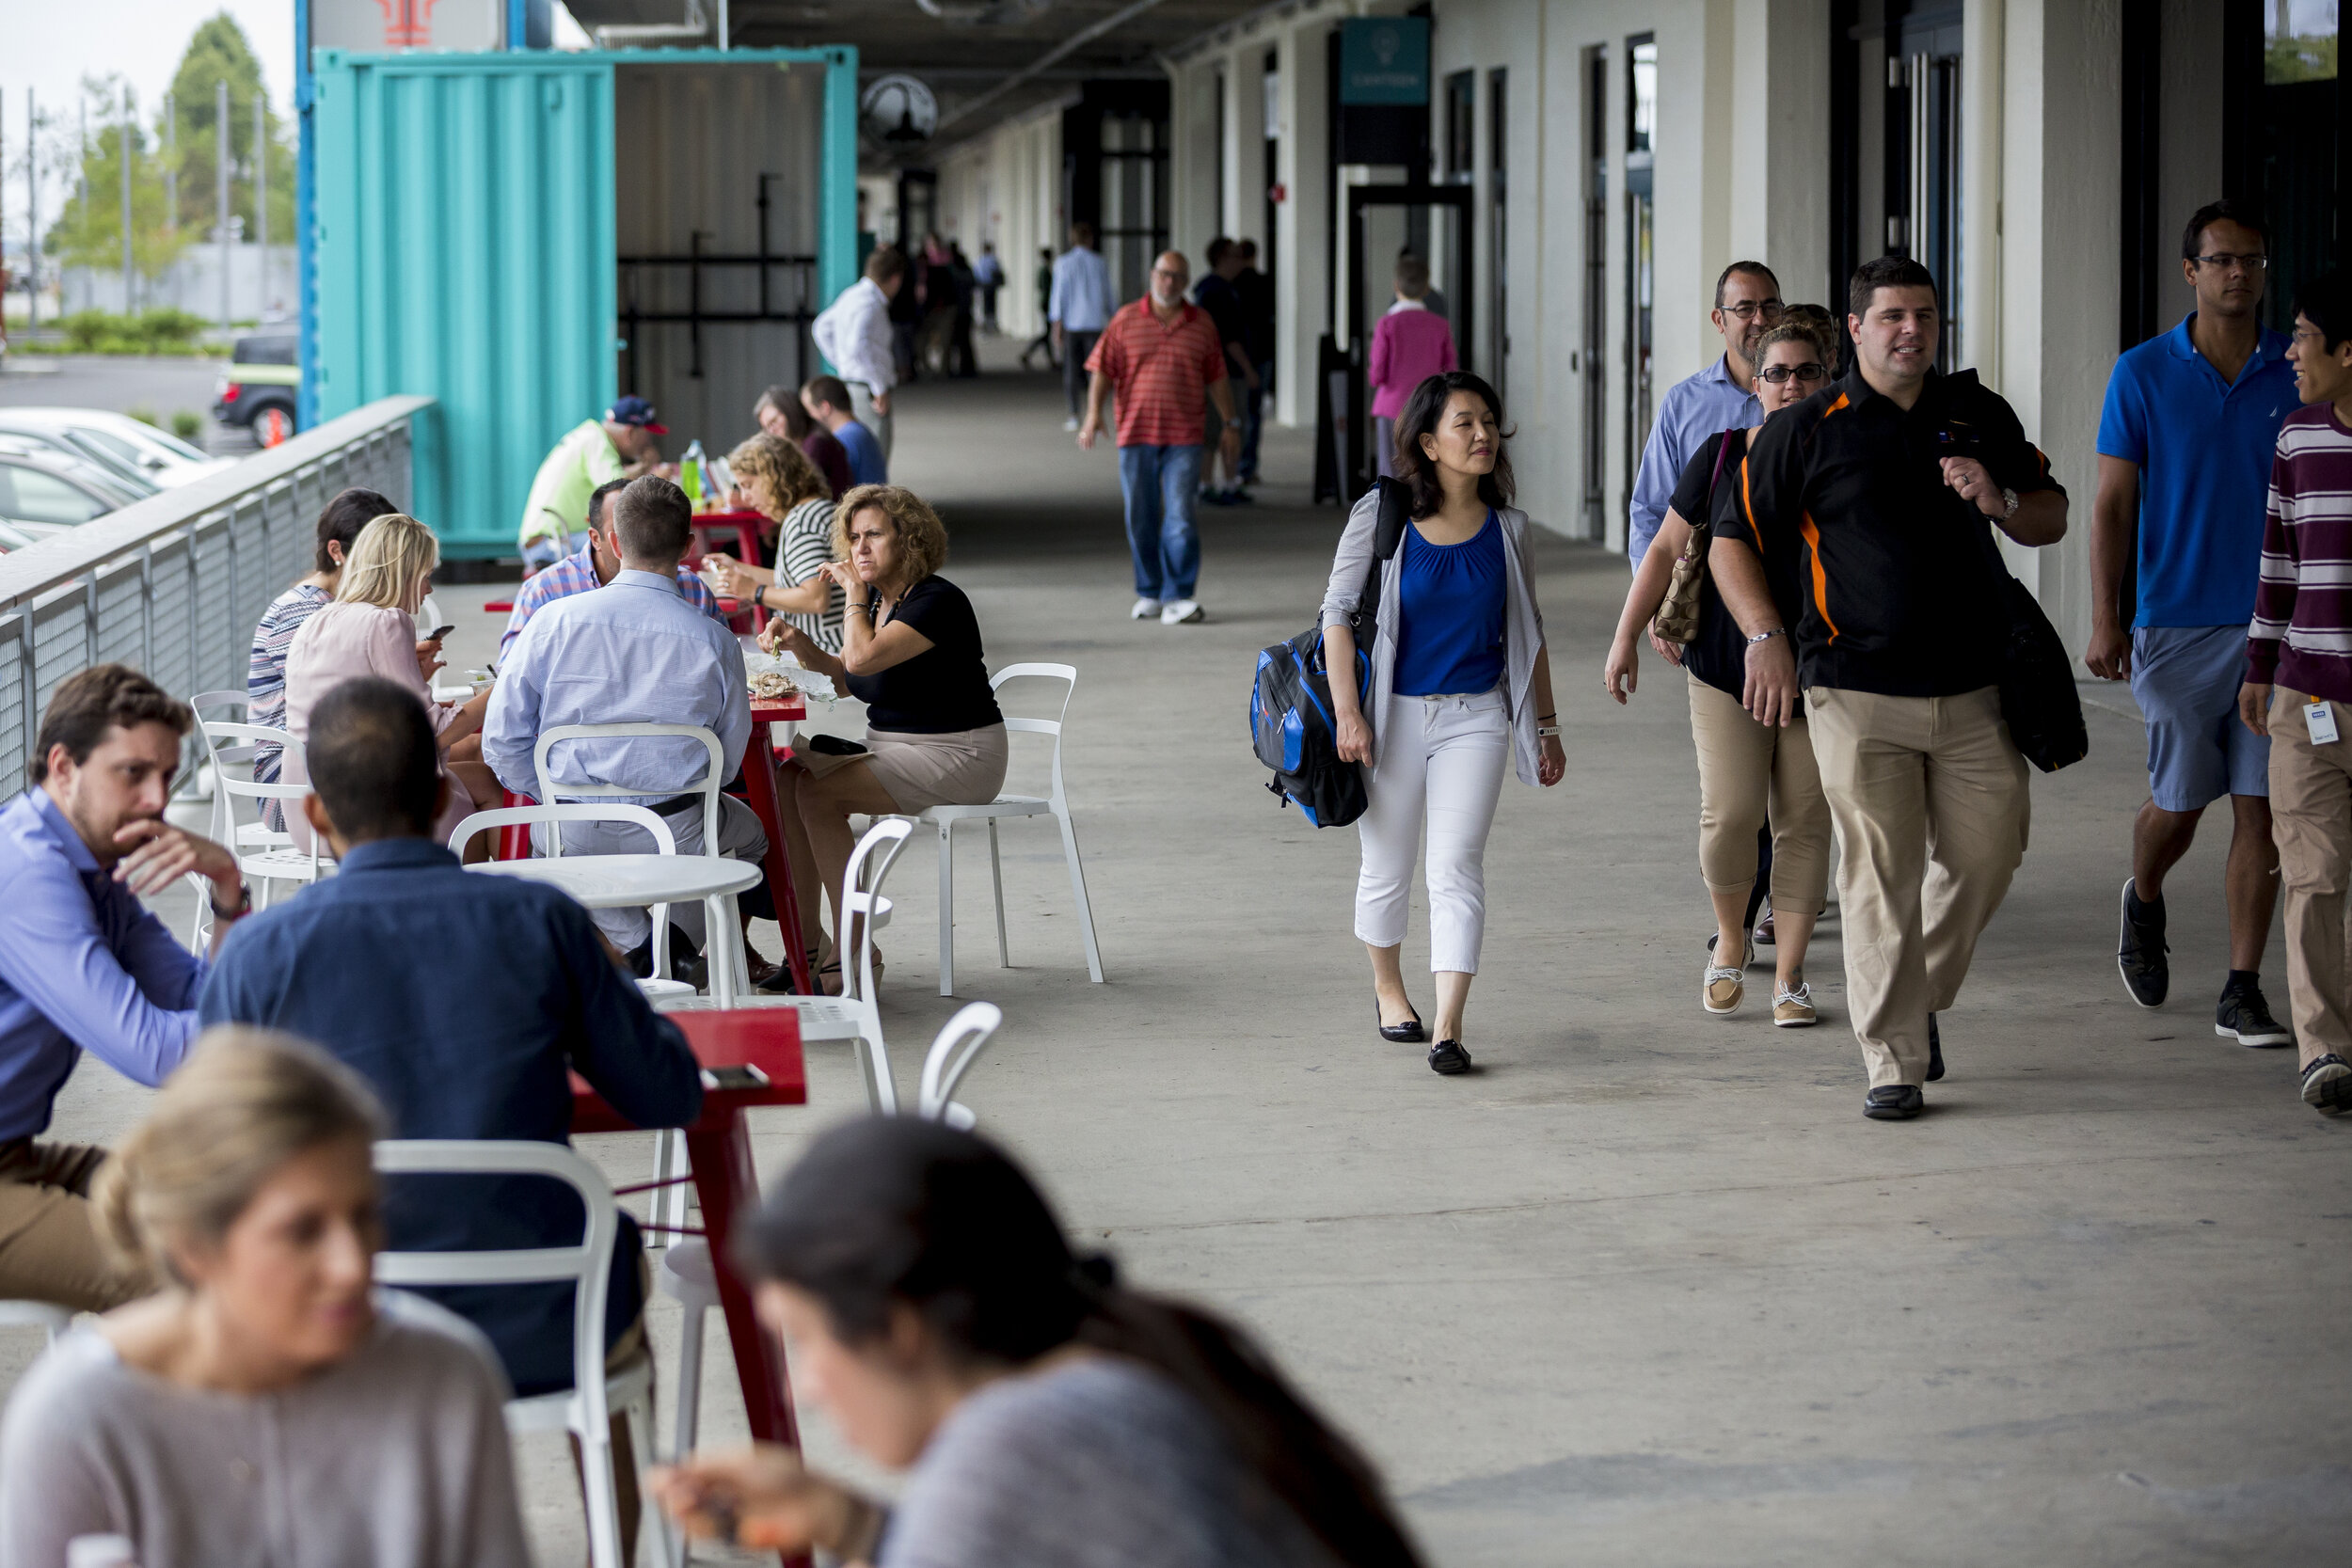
(44, 492)
(258, 389)
(129, 446)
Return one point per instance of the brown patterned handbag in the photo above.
(1677, 617)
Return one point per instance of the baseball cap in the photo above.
(636, 412)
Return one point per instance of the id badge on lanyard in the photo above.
(2319, 718)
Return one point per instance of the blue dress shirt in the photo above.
(633, 651)
(1693, 409)
(1082, 299)
(463, 999)
(84, 966)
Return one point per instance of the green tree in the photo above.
(220, 51)
(88, 228)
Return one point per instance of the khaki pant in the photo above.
(49, 1246)
(1744, 766)
(1932, 810)
(2311, 817)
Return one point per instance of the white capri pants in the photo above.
(1441, 758)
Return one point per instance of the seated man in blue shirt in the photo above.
(590, 567)
(464, 1000)
(634, 651)
(84, 966)
(827, 401)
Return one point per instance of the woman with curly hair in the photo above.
(775, 479)
(910, 652)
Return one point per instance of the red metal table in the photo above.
(719, 1150)
(711, 530)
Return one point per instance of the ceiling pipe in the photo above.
(696, 25)
(1052, 57)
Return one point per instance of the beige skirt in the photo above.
(962, 768)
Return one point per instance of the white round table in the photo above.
(634, 881)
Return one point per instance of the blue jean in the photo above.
(1160, 485)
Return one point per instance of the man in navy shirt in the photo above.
(84, 966)
(828, 402)
(2185, 448)
(464, 1000)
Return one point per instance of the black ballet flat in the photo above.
(1447, 1057)
(1399, 1033)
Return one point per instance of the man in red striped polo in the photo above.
(1161, 356)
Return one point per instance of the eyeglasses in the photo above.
(1748, 310)
(2221, 261)
(1810, 370)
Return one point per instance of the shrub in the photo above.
(160, 331)
(187, 424)
(145, 415)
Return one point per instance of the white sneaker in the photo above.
(1071, 423)
(1181, 612)
(1144, 609)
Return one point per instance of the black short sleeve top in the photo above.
(942, 689)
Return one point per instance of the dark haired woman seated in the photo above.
(1051, 1418)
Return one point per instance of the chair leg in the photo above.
(687, 1425)
(996, 873)
(669, 1201)
(668, 1548)
(597, 1490)
(946, 908)
(1078, 886)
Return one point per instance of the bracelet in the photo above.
(1767, 636)
(759, 594)
(859, 606)
(1541, 716)
(244, 904)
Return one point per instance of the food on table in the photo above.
(769, 685)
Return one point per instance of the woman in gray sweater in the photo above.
(268, 1407)
(1051, 1418)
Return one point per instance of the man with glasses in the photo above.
(1886, 486)
(2185, 450)
(1747, 303)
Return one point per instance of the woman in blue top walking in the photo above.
(1459, 683)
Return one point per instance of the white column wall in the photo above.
(1196, 205)
(1005, 188)
(1303, 285)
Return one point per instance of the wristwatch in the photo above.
(759, 594)
(2008, 503)
(244, 904)
(1768, 636)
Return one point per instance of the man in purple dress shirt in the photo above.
(84, 966)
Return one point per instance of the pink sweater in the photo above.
(1408, 348)
(344, 641)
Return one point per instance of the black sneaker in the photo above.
(1936, 1050)
(1894, 1102)
(2327, 1084)
(2140, 953)
(1447, 1056)
(2243, 1016)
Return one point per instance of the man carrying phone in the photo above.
(1886, 480)
(2184, 448)
(466, 1002)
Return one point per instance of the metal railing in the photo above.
(176, 583)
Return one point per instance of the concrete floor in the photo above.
(1646, 1288)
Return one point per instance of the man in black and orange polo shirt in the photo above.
(1875, 492)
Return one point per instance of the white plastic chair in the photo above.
(855, 1015)
(958, 1046)
(713, 777)
(685, 1275)
(1055, 805)
(664, 840)
(45, 1315)
(586, 1408)
(263, 856)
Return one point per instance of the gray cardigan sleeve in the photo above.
(1353, 560)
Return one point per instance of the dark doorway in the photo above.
(2284, 136)
(1895, 141)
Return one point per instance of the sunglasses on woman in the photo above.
(1810, 370)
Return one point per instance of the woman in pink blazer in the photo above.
(371, 630)
(1411, 345)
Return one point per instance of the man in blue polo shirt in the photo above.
(2184, 448)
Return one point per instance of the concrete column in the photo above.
(1194, 204)
(1303, 284)
(1779, 194)
(1984, 83)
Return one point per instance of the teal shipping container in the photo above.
(524, 236)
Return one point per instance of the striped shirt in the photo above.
(577, 574)
(1161, 373)
(265, 672)
(804, 543)
(2302, 635)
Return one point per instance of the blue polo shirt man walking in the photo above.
(2184, 448)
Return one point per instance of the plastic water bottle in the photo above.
(690, 473)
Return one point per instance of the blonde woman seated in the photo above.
(269, 1403)
(776, 479)
(371, 630)
(910, 652)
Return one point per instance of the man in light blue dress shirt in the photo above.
(84, 966)
(633, 651)
(1747, 302)
(1079, 307)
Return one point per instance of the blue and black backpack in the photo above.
(1292, 723)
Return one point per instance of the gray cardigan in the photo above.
(1522, 623)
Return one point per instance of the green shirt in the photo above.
(582, 460)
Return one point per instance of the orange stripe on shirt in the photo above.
(1820, 580)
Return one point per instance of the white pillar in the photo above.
(1303, 283)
